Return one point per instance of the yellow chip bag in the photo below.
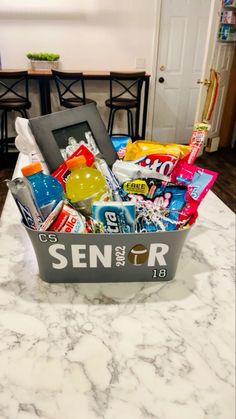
(142, 148)
(158, 157)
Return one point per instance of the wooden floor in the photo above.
(223, 161)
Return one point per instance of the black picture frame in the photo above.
(44, 129)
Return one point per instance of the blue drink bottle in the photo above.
(47, 190)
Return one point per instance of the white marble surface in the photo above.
(120, 351)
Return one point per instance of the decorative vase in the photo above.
(43, 65)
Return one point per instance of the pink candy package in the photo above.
(198, 182)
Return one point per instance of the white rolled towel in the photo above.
(25, 142)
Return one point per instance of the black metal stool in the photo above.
(71, 90)
(14, 96)
(125, 94)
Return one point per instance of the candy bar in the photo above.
(52, 216)
(111, 180)
(197, 140)
(24, 198)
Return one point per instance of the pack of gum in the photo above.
(116, 217)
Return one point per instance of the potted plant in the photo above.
(43, 60)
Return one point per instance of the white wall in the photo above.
(88, 35)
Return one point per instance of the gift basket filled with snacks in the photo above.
(90, 220)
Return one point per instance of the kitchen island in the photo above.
(162, 350)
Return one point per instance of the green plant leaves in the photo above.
(43, 56)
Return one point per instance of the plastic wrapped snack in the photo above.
(197, 140)
(68, 221)
(198, 182)
(126, 170)
(161, 158)
(119, 144)
(25, 200)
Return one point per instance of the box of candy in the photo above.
(226, 33)
(89, 222)
(229, 3)
(228, 16)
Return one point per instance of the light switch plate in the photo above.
(140, 63)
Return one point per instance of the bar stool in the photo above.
(14, 96)
(71, 90)
(125, 94)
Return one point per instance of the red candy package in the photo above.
(199, 134)
(62, 172)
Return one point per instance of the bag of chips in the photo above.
(160, 158)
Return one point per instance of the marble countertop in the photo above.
(129, 350)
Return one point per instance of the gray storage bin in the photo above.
(70, 257)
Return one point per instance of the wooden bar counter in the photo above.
(45, 76)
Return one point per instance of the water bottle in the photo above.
(47, 190)
(85, 185)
